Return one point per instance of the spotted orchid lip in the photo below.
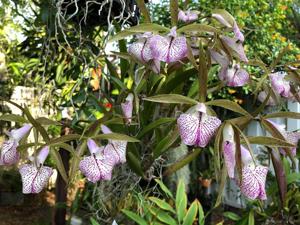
(9, 154)
(253, 182)
(34, 179)
(171, 48)
(197, 128)
(236, 46)
(187, 16)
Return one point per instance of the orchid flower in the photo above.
(253, 177)
(97, 166)
(262, 96)
(142, 52)
(127, 108)
(187, 16)
(35, 176)
(9, 154)
(170, 48)
(196, 127)
(236, 46)
(234, 76)
(292, 137)
(279, 84)
(230, 22)
(116, 148)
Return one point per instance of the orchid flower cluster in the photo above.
(96, 167)
(35, 175)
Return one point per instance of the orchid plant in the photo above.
(175, 66)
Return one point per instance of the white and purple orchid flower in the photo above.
(142, 52)
(187, 16)
(9, 154)
(253, 180)
(279, 84)
(232, 75)
(116, 148)
(292, 137)
(127, 108)
(99, 165)
(35, 176)
(171, 48)
(229, 22)
(196, 127)
(236, 46)
(263, 95)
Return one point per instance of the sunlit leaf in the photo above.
(171, 98)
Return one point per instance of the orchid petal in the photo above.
(279, 84)
(237, 33)
(34, 179)
(235, 45)
(105, 129)
(116, 152)
(141, 50)
(207, 128)
(188, 125)
(9, 154)
(97, 168)
(221, 58)
(92, 146)
(240, 78)
(168, 49)
(253, 182)
(221, 19)
(246, 156)
(127, 108)
(187, 16)
(262, 96)
(18, 134)
(43, 154)
(229, 149)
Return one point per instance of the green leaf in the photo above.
(201, 216)
(227, 104)
(172, 98)
(141, 28)
(13, 118)
(115, 136)
(292, 177)
(221, 186)
(251, 220)
(164, 188)
(165, 143)
(269, 141)
(182, 162)
(59, 164)
(155, 124)
(191, 214)
(134, 163)
(162, 204)
(136, 218)
(195, 27)
(181, 200)
(226, 15)
(162, 216)
(232, 216)
(63, 139)
(46, 121)
(93, 221)
(292, 115)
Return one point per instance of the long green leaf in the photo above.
(191, 214)
(165, 143)
(164, 188)
(134, 163)
(162, 204)
(197, 28)
(171, 98)
(115, 136)
(13, 118)
(269, 141)
(155, 124)
(293, 115)
(227, 104)
(181, 200)
(201, 219)
(135, 217)
(162, 216)
(46, 121)
(144, 27)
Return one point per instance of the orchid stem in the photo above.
(202, 74)
(144, 10)
(174, 12)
